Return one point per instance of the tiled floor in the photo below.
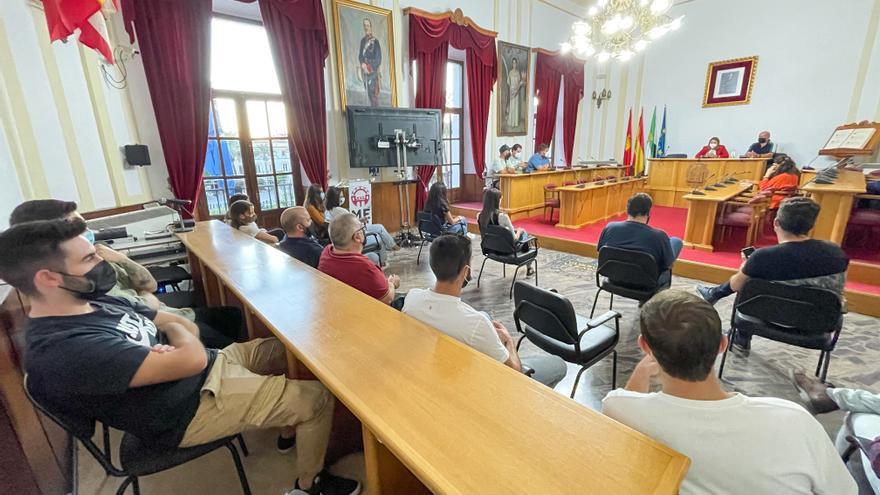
(764, 372)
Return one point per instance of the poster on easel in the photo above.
(360, 200)
(853, 139)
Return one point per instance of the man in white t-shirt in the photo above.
(737, 444)
(443, 309)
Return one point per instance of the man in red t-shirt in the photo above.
(343, 260)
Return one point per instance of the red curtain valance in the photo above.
(427, 33)
(301, 14)
(550, 69)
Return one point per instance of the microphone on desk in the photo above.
(709, 188)
(173, 202)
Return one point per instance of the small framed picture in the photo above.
(729, 82)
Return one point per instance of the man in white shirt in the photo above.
(442, 308)
(737, 444)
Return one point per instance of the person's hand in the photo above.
(109, 254)
(648, 366)
(394, 280)
(502, 332)
(161, 348)
(751, 154)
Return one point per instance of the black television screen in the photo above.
(371, 133)
(137, 154)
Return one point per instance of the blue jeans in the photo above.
(459, 227)
(676, 244)
(385, 241)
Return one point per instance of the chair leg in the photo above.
(244, 449)
(595, 300)
(135, 487)
(242, 477)
(730, 335)
(825, 366)
(503, 270)
(819, 365)
(481, 272)
(74, 466)
(613, 370)
(419, 256)
(611, 303)
(576, 380)
(513, 281)
(519, 342)
(536, 271)
(131, 480)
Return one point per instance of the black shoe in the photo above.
(707, 293)
(285, 445)
(328, 484)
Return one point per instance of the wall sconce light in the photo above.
(600, 97)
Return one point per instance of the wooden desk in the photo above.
(437, 415)
(522, 195)
(836, 201)
(670, 179)
(588, 203)
(700, 228)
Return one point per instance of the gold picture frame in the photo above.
(730, 82)
(508, 53)
(359, 85)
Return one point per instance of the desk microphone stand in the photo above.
(405, 237)
(179, 229)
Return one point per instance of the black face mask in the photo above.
(101, 278)
(762, 140)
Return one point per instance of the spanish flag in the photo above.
(627, 148)
(64, 17)
(639, 160)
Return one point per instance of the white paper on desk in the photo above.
(838, 138)
(858, 139)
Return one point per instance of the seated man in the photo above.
(736, 443)
(297, 242)
(539, 161)
(500, 165)
(763, 148)
(443, 309)
(219, 326)
(343, 261)
(174, 395)
(796, 260)
(635, 234)
(515, 163)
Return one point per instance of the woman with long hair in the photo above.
(242, 217)
(438, 205)
(782, 175)
(333, 201)
(491, 214)
(314, 204)
(713, 150)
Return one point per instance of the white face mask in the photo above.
(713, 145)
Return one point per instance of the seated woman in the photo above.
(713, 150)
(782, 175)
(333, 202)
(438, 206)
(242, 217)
(492, 215)
(315, 206)
(233, 199)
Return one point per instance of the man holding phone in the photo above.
(796, 260)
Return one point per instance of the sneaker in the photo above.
(328, 484)
(707, 293)
(471, 236)
(813, 392)
(285, 445)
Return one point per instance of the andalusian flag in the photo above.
(627, 148)
(64, 17)
(639, 159)
(661, 143)
(652, 146)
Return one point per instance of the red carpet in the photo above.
(672, 221)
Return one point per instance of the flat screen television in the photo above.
(371, 132)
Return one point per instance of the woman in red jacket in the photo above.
(782, 176)
(713, 150)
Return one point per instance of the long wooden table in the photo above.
(437, 416)
(670, 179)
(522, 195)
(588, 203)
(700, 228)
(836, 202)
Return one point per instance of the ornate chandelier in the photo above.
(620, 28)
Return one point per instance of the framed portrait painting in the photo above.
(364, 54)
(513, 89)
(729, 82)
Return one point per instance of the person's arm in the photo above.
(640, 380)
(722, 152)
(266, 237)
(141, 278)
(667, 257)
(187, 358)
(738, 281)
(164, 318)
(393, 284)
(513, 360)
(149, 300)
(702, 152)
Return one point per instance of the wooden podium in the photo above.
(670, 179)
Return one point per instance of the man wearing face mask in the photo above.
(515, 163)
(443, 309)
(343, 260)
(297, 241)
(764, 148)
(499, 166)
(94, 357)
(539, 161)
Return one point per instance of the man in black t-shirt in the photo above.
(297, 243)
(635, 234)
(796, 260)
(763, 147)
(92, 357)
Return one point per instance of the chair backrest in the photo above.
(496, 239)
(629, 268)
(545, 312)
(806, 310)
(429, 224)
(676, 155)
(549, 187)
(569, 183)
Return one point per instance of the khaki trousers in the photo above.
(246, 390)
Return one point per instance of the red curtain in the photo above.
(175, 42)
(548, 76)
(298, 38)
(429, 41)
(573, 83)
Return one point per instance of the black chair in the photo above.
(551, 324)
(497, 244)
(629, 274)
(430, 228)
(807, 317)
(135, 458)
(171, 275)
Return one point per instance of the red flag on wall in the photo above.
(64, 17)
(627, 148)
